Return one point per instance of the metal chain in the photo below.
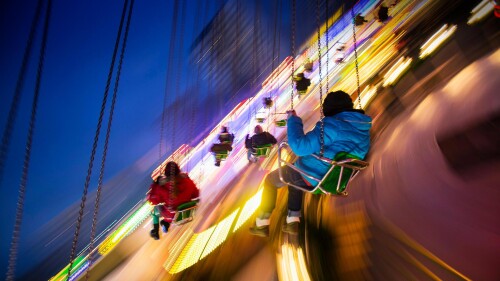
(167, 76)
(327, 47)
(322, 134)
(172, 187)
(106, 142)
(293, 51)
(179, 68)
(27, 155)
(278, 14)
(94, 146)
(199, 9)
(9, 127)
(274, 48)
(355, 54)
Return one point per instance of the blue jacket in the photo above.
(347, 131)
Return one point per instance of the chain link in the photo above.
(327, 48)
(27, 156)
(94, 146)
(169, 71)
(106, 142)
(322, 135)
(293, 51)
(356, 55)
(9, 127)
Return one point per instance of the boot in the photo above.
(262, 231)
(155, 231)
(292, 225)
(261, 227)
(164, 226)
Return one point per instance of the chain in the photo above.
(171, 189)
(17, 93)
(106, 142)
(178, 80)
(356, 55)
(327, 47)
(27, 156)
(293, 51)
(278, 12)
(94, 146)
(322, 135)
(169, 67)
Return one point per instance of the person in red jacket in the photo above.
(167, 192)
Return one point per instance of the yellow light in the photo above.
(292, 265)
(366, 96)
(192, 251)
(396, 71)
(436, 40)
(220, 234)
(177, 247)
(248, 210)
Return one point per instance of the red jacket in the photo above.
(184, 190)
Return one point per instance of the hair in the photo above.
(224, 129)
(336, 102)
(172, 166)
(258, 129)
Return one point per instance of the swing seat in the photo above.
(280, 123)
(260, 119)
(185, 212)
(343, 168)
(340, 173)
(262, 151)
(221, 155)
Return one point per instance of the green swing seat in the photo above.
(280, 123)
(185, 212)
(262, 151)
(221, 155)
(342, 170)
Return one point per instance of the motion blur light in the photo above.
(482, 10)
(436, 40)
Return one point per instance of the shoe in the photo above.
(291, 228)
(164, 226)
(262, 231)
(155, 234)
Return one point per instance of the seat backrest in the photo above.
(262, 150)
(280, 123)
(221, 155)
(331, 182)
(185, 212)
(186, 205)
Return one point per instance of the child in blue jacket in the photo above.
(345, 129)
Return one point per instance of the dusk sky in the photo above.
(78, 55)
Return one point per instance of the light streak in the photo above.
(292, 265)
(126, 228)
(481, 11)
(436, 40)
(248, 210)
(396, 71)
(366, 96)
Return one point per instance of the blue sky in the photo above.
(79, 49)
